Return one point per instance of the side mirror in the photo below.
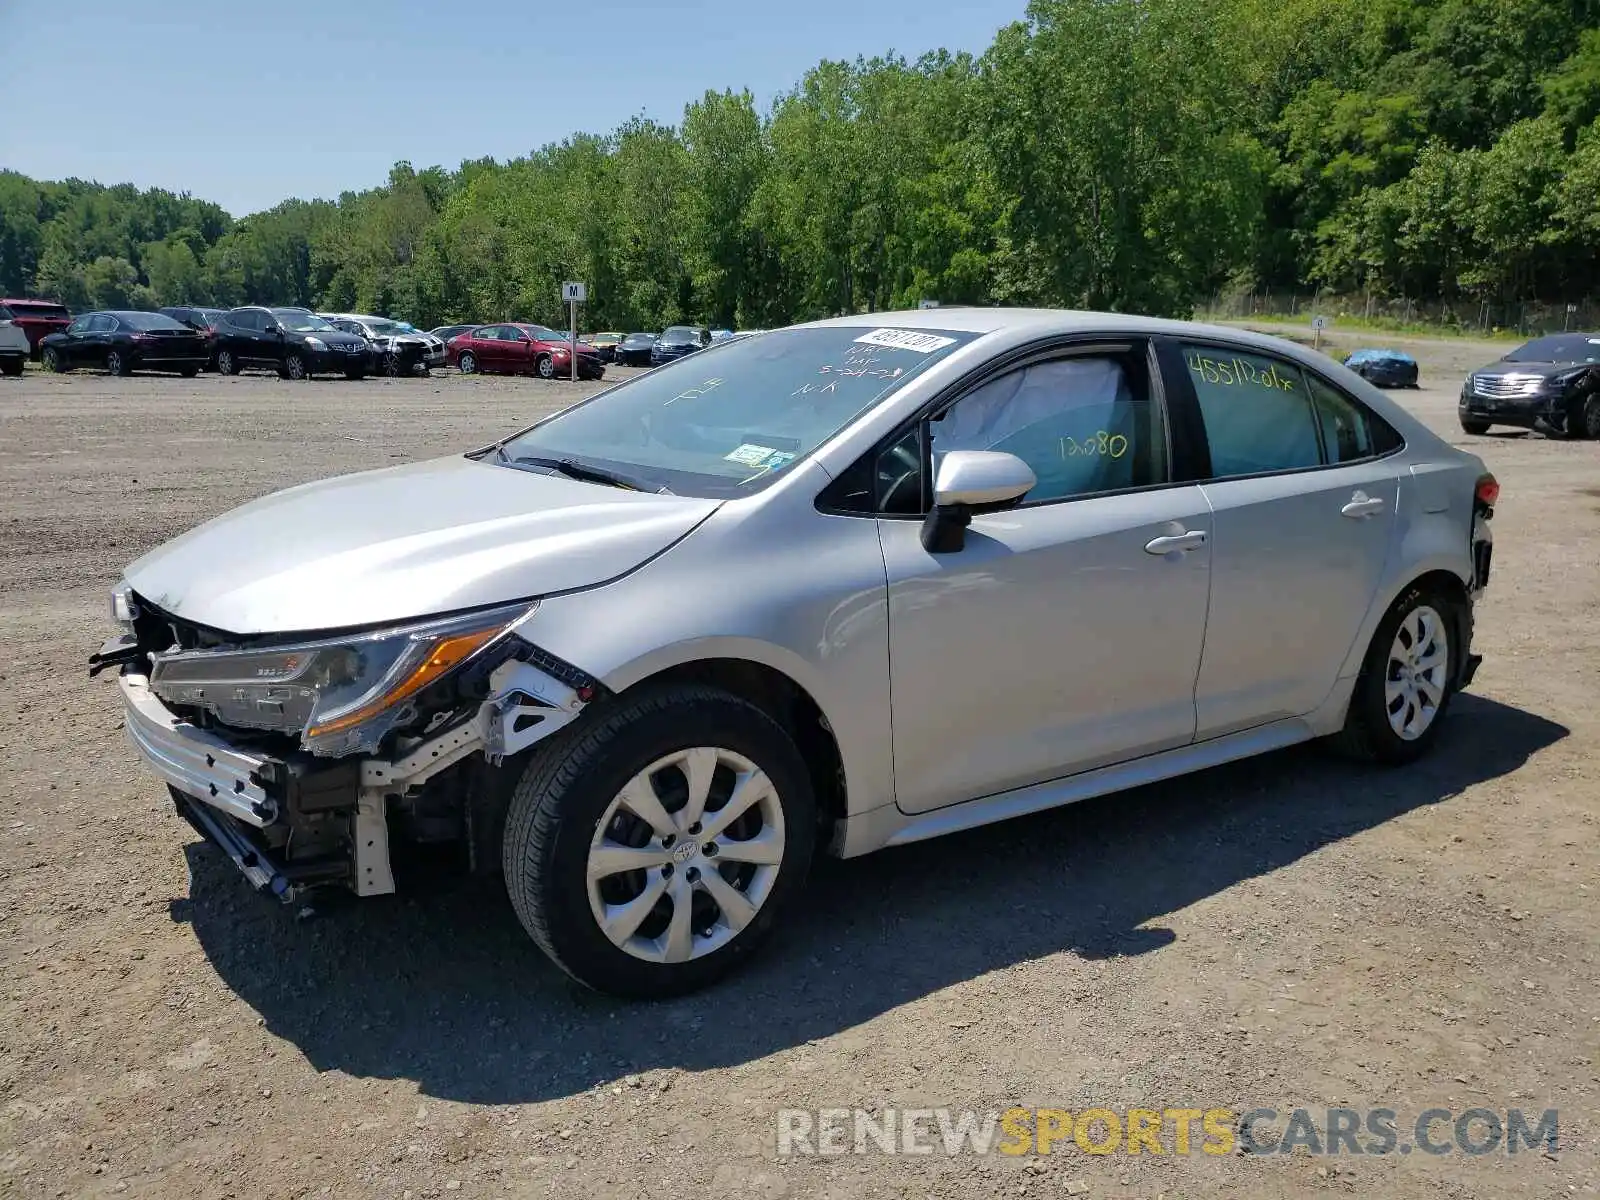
(971, 481)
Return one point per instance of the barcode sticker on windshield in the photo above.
(907, 339)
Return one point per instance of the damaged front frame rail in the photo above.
(242, 800)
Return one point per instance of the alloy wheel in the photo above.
(224, 363)
(295, 366)
(1417, 673)
(685, 855)
(469, 364)
(114, 363)
(547, 367)
(50, 359)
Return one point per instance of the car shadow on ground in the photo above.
(442, 987)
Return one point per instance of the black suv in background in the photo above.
(1551, 384)
(293, 341)
(204, 320)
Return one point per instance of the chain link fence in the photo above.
(1527, 318)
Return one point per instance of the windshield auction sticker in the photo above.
(907, 339)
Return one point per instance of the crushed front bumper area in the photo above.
(291, 822)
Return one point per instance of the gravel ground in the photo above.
(1287, 932)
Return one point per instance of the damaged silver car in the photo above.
(843, 586)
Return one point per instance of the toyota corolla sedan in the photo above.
(844, 586)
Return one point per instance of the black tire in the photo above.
(11, 366)
(118, 363)
(355, 376)
(226, 363)
(188, 372)
(392, 366)
(52, 361)
(1588, 418)
(467, 364)
(567, 788)
(294, 366)
(546, 366)
(1367, 734)
(1468, 425)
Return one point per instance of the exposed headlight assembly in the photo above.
(341, 695)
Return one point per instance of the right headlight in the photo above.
(341, 695)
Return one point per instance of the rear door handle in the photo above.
(1362, 506)
(1177, 542)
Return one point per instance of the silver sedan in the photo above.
(843, 586)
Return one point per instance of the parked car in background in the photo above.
(1384, 368)
(295, 342)
(721, 335)
(522, 349)
(397, 348)
(445, 332)
(605, 345)
(37, 319)
(650, 655)
(124, 342)
(14, 348)
(203, 319)
(634, 350)
(678, 340)
(1551, 384)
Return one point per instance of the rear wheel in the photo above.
(118, 363)
(1407, 680)
(654, 849)
(226, 364)
(11, 366)
(468, 363)
(52, 360)
(1468, 425)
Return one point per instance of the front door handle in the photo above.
(1179, 543)
(1362, 506)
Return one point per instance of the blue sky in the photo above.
(248, 102)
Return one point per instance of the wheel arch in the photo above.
(777, 693)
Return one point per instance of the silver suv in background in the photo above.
(843, 586)
(397, 348)
(14, 345)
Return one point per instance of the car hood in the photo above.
(412, 541)
(1542, 369)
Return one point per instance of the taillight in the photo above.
(1486, 494)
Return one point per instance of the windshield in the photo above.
(149, 321)
(1561, 348)
(720, 422)
(387, 328)
(681, 333)
(302, 322)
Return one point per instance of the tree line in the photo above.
(1130, 155)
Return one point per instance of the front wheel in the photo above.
(1588, 418)
(652, 849)
(546, 367)
(52, 360)
(1407, 680)
(1468, 425)
(294, 367)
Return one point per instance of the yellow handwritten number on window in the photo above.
(1111, 445)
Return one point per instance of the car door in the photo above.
(241, 336)
(1065, 634)
(485, 344)
(1304, 490)
(73, 337)
(519, 349)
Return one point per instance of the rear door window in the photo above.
(1257, 411)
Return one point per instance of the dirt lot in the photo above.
(1289, 932)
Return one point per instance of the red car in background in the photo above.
(519, 349)
(36, 318)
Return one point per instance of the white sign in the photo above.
(573, 293)
(1320, 323)
(906, 339)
